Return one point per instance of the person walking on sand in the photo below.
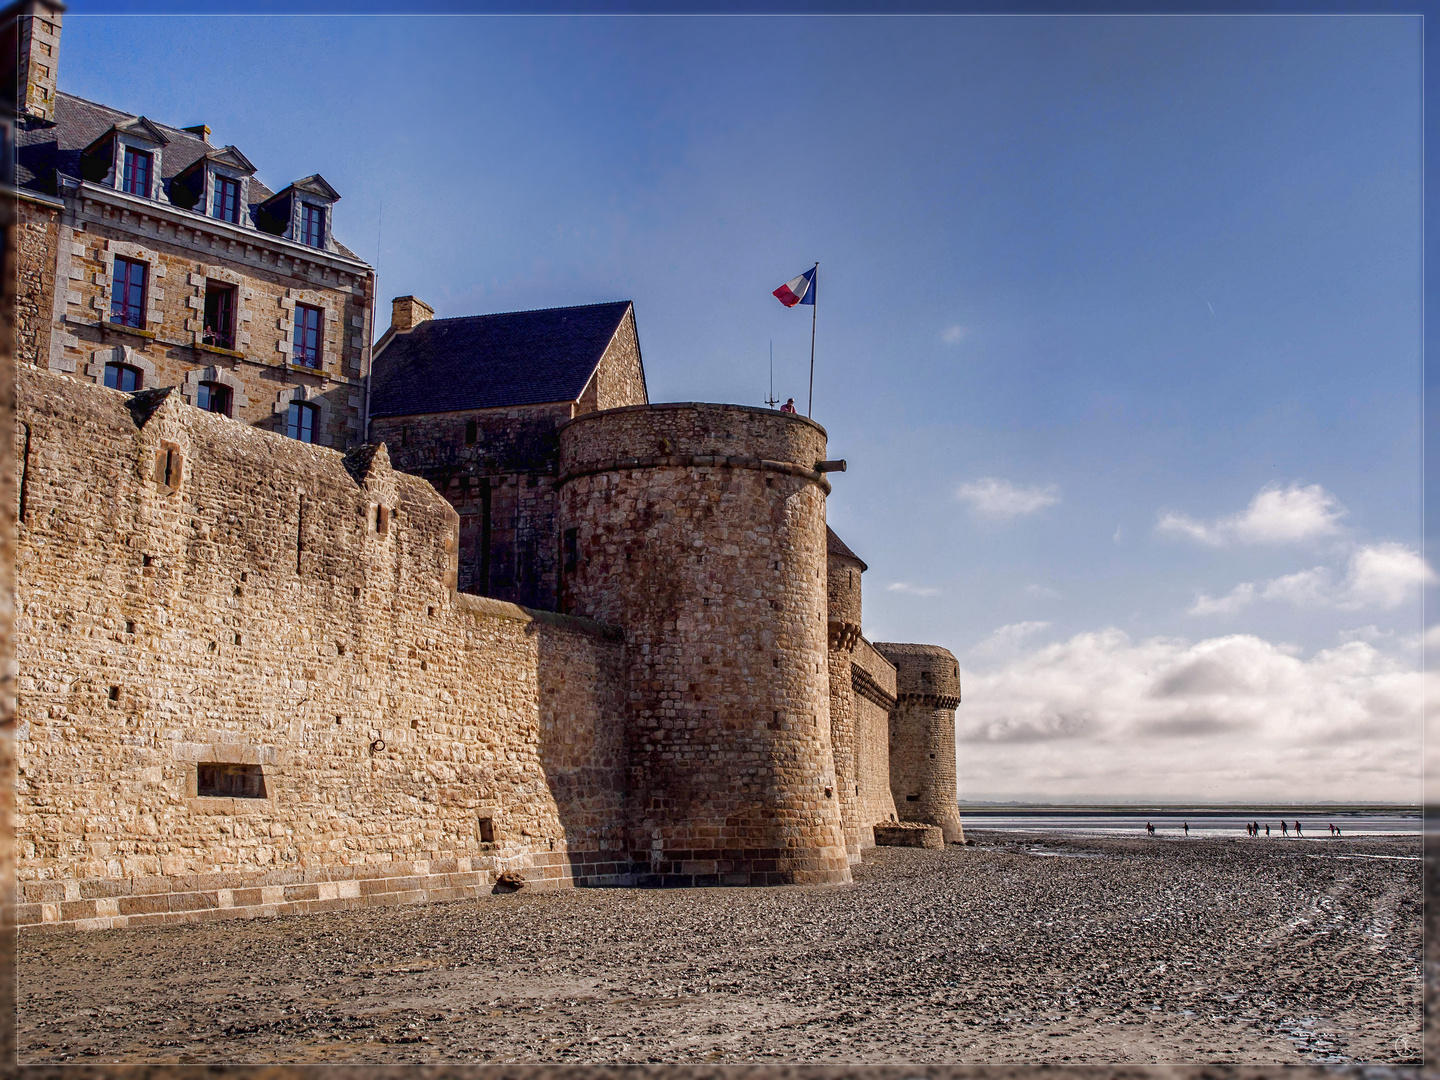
(1267, 830)
(1285, 829)
(1187, 828)
(1297, 828)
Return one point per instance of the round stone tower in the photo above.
(842, 588)
(700, 530)
(922, 735)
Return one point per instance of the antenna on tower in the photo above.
(772, 400)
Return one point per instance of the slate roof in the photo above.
(492, 361)
(42, 148)
(835, 546)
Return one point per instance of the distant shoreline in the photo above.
(1192, 809)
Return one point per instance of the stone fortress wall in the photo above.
(207, 606)
(198, 594)
(262, 674)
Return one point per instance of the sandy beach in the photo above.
(1020, 948)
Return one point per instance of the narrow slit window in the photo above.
(471, 430)
(227, 781)
(382, 520)
(572, 555)
(169, 463)
(487, 830)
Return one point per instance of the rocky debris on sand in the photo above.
(1129, 952)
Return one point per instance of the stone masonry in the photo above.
(271, 666)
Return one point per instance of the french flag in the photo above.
(798, 290)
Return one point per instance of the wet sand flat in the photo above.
(1021, 948)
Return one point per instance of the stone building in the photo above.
(474, 405)
(530, 622)
(148, 256)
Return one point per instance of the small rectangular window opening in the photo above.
(572, 556)
(129, 626)
(227, 781)
(137, 173)
(382, 519)
(471, 431)
(487, 830)
(306, 344)
(226, 205)
(912, 798)
(127, 292)
(219, 326)
(213, 397)
(114, 693)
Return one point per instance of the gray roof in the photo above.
(492, 361)
(835, 546)
(41, 148)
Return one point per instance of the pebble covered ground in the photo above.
(1017, 949)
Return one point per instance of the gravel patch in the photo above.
(1017, 949)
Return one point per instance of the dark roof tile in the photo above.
(42, 148)
(835, 546)
(492, 361)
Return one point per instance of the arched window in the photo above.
(122, 377)
(300, 423)
(213, 397)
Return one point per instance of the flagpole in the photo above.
(814, 311)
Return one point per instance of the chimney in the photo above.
(200, 131)
(408, 312)
(38, 23)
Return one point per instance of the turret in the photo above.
(922, 735)
(700, 529)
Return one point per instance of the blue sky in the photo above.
(1119, 322)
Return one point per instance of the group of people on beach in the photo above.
(1254, 828)
(1150, 829)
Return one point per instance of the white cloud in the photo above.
(912, 590)
(1233, 717)
(1002, 500)
(1276, 515)
(1006, 641)
(951, 335)
(1385, 575)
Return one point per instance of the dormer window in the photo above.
(312, 225)
(226, 204)
(137, 172)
